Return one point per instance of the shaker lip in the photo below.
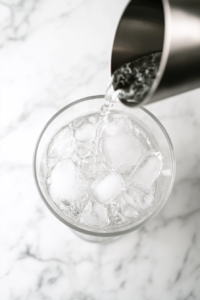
(165, 49)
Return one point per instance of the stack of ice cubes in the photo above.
(103, 183)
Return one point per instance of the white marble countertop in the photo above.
(53, 52)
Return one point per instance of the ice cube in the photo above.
(148, 200)
(78, 122)
(62, 144)
(100, 211)
(107, 187)
(84, 150)
(129, 211)
(134, 197)
(147, 170)
(63, 179)
(167, 173)
(140, 199)
(115, 213)
(127, 199)
(94, 214)
(74, 209)
(92, 168)
(118, 125)
(93, 119)
(151, 190)
(123, 152)
(85, 133)
(127, 205)
(87, 168)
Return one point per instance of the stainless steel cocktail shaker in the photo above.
(170, 26)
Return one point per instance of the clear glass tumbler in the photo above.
(165, 181)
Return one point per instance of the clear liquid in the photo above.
(96, 169)
(103, 167)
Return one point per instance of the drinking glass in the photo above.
(165, 181)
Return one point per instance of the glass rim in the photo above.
(117, 231)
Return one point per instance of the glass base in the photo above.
(96, 239)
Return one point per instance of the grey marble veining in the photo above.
(52, 53)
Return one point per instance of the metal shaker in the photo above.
(170, 26)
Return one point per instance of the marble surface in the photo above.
(51, 53)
